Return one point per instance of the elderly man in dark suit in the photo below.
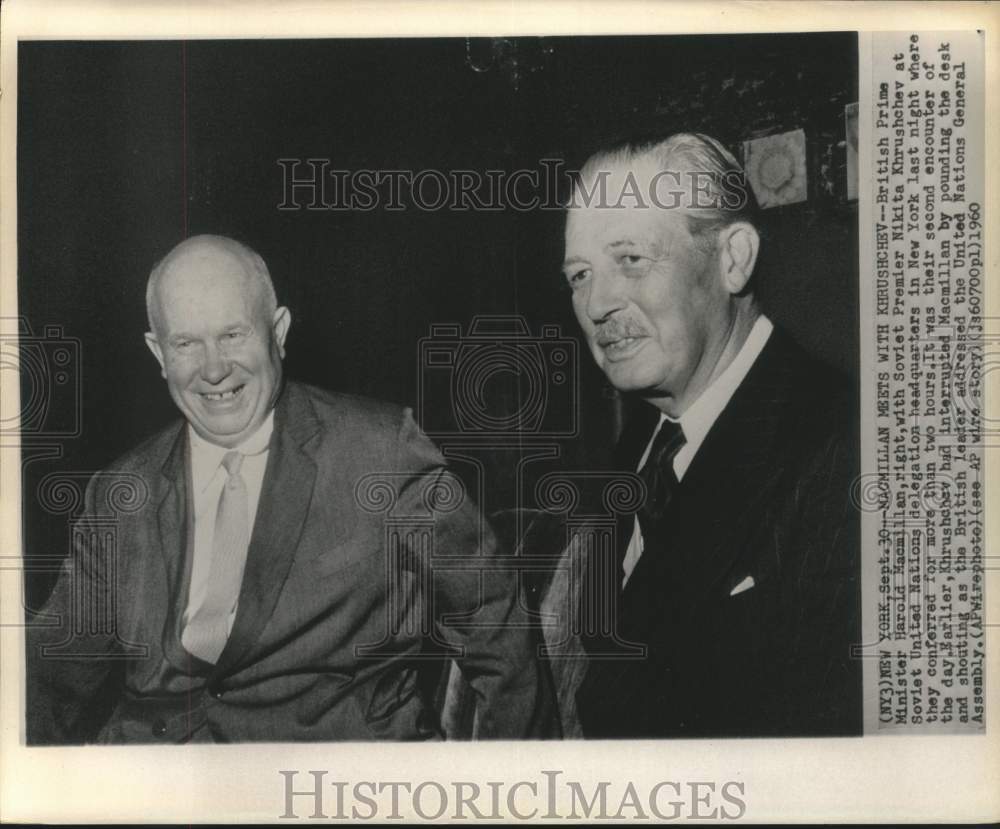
(739, 573)
(277, 584)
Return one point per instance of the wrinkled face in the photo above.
(219, 348)
(650, 301)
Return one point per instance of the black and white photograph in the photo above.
(552, 395)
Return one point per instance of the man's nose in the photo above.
(607, 295)
(216, 366)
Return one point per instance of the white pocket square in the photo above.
(743, 586)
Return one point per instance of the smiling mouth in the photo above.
(621, 347)
(222, 396)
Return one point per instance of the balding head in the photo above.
(205, 253)
(218, 335)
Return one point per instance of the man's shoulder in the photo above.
(816, 428)
(816, 396)
(131, 476)
(150, 453)
(343, 410)
(354, 429)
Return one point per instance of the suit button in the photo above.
(159, 728)
(216, 693)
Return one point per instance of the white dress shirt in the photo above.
(208, 476)
(699, 418)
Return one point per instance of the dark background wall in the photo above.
(126, 148)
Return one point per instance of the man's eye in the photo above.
(632, 259)
(182, 345)
(576, 277)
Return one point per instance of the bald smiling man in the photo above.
(260, 592)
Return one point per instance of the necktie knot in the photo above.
(659, 476)
(232, 462)
(667, 443)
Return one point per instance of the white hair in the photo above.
(729, 197)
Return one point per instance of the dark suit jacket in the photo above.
(766, 496)
(321, 581)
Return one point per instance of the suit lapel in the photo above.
(724, 490)
(172, 518)
(281, 515)
(636, 436)
(628, 453)
(722, 497)
(733, 476)
(718, 506)
(171, 512)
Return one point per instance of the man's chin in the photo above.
(627, 379)
(223, 430)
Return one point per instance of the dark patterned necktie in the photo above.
(660, 479)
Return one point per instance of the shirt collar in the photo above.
(206, 457)
(700, 416)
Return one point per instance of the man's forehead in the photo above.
(204, 283)
(206, 265)
(645, 181)
(587, 227)
(640, 167)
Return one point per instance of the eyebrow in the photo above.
(190, 335)
(574, 260)
(621, 243)
(611, 246)
(626, 242)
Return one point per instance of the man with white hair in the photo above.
(738, 574)
(278, 583)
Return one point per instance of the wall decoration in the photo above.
(776, 168)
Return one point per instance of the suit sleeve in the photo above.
(69, 653)
(476, 606)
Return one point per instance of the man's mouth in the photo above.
(222, 396)
(619, 347)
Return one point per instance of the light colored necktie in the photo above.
(206, 633)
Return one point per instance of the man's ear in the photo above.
(738, 245)
(154, 346)
(280, 325)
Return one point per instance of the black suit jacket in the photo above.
(767, 496)
(333, 613)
